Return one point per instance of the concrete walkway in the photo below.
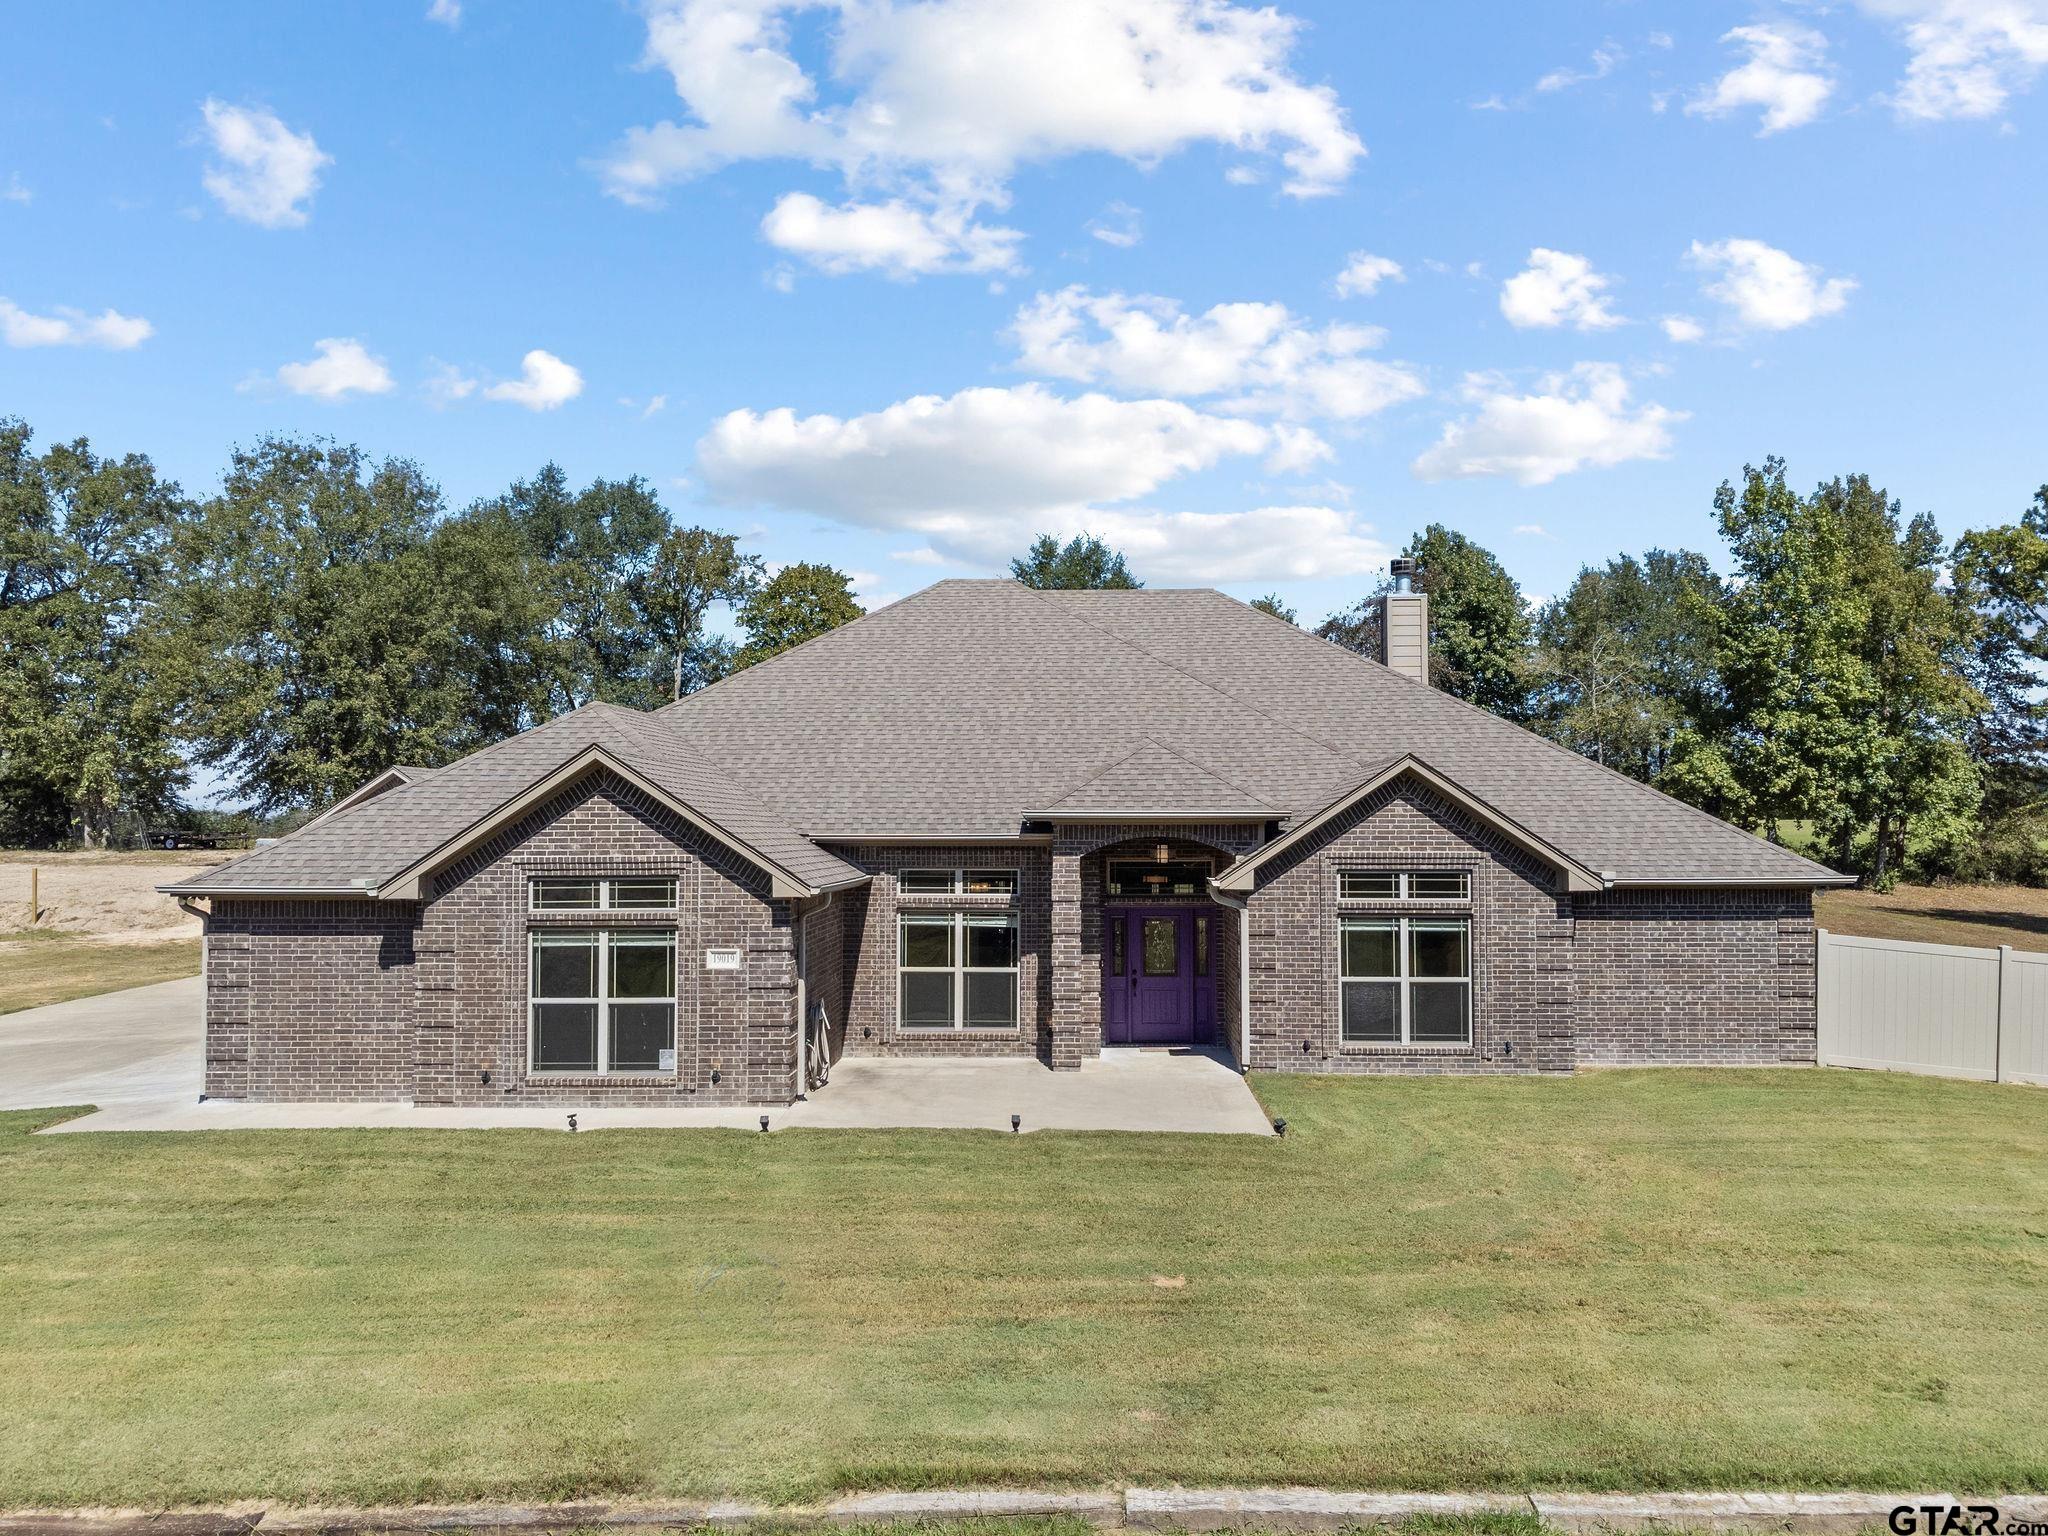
(141, 1046)
(138, 1055)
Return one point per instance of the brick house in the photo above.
(986, 821)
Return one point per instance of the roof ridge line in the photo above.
(1195, 677)
(1222, 778)
(733, 781)
(766, 661)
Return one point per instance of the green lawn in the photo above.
(1619, 1280)
(40, 966)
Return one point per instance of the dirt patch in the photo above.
(109, 896)
(1983, 915)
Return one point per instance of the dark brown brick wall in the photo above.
(309, 1000)
(1708, 977)
(394, 1001)
(740, 1025)
(1522, 981)
(348, 1000)
(869, 940)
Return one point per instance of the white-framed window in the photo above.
(602, 1000)
(581, 893)
(1404, 885)
(956, 970)
(1406, 980)
(957, 882)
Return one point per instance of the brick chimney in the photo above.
(1404, 623)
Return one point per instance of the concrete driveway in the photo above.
(141, 1046)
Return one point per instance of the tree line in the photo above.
(323, 616)
(1852, 683)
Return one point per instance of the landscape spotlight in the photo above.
(572, 1122)
(1016, 1123)
(1279, 1127)
(764, 1122)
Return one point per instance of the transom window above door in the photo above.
(957, 882)
(579, 893)
(1404, 885)
(1176, 877)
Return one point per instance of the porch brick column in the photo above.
(1076, 990)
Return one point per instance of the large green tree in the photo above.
(1841, 659)
(83, 544)
(1479, 624)
(692, 569)
(589, 557)
(798, 603)
(317, 637)
(1083, 561)
(1624, 658)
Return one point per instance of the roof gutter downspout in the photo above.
(803, 994)
(1242, 906)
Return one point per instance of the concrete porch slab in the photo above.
(1150, 1090)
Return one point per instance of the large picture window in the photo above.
(956, 970)
(603, 1001)
(1406, 980)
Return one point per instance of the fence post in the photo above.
(1998, 1033)
(1820, 1002)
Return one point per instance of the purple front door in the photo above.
(1158, 981)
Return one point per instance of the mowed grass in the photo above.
(1620, 1280)
(43, 966)
(1983, 915)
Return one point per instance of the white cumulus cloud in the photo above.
(544, 383)
(1364, 272)
(262, 171)
(939, 103)
(1558, 288)
(1251, 358)
(1683, 328)
(896, 238)
(1602, 64)
(64, 327)
(1581, 419)
(342, 367)
(1768, 289)
(1966, 57)
(446, 12)
(1785, 74)
(978, 474)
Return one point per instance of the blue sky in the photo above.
(899, 285)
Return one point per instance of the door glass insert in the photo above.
(1117, 966)
(1160, 946)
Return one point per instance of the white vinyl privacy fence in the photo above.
(1941, 1009)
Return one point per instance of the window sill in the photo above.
(930, 901)
(1397, 1048)
(658, 1079)
(949, 1032)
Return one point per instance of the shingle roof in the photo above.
(964, 707)
(972, 705)
(1156, 780)
(362, 847)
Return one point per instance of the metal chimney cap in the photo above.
(1404, 569)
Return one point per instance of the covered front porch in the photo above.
(1143, 954)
